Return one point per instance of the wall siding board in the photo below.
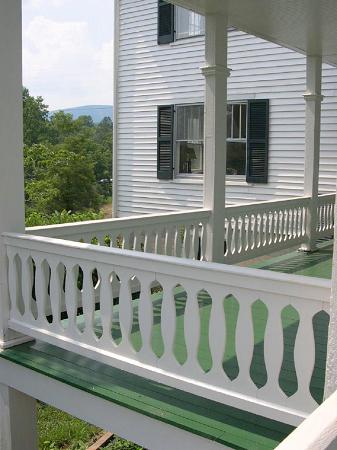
(152, 75)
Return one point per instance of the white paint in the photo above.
(215, 73)
(11, 147)
(308, 296)
(151, 75)
(318, 431)
(313, 99)
(18, 421)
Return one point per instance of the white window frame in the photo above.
(188, 36)
(176, 152)
(240, 139)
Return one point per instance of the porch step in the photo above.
(219, 423)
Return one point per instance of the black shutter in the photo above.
(257, 141)
(165, 142)
(165, 22)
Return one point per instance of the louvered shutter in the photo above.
(257, 141)
(165, 22)
(165, 142)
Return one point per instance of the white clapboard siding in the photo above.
(151, 75)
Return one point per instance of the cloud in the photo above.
(61, 62)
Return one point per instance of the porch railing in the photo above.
(79, 296)
(250, 230)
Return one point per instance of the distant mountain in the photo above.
(97, 112)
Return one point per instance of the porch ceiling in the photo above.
(307, 26)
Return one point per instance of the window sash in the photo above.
(188, 23)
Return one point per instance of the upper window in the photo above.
(175, 22)
(236, 138)
(188, 23)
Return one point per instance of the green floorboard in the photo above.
(229, 426)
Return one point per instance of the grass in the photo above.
(60, 431)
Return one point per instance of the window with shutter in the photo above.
(257, 141)
(165, 22)
(165, 142)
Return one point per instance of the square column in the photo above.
(12, 206)
(313, 99)
(216, 74)
(18, 423)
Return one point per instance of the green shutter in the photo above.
(165, 142)
(165, 22)
(257, 141)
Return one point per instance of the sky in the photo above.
(68, 51)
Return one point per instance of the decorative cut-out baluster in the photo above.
(168, 324)
(264, 224)
(280, 226)
(273, 351)
(27, 286)
(203, 241)
(244, 338)
(192, 329)
(56, 292)
(169, 240)
(187, 241)
(106, 305)
(145, 315)
(195, 241)
(88, 302)
(13, 281)
(125, 311)
(41, 289)
(304, 357)
(230, 238)
(71, 298)
(217, 336)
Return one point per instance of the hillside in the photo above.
(97, 112)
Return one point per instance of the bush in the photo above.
(35, 219)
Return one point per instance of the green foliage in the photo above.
(35, 219)
(67, 162)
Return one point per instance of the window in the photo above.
(180, 144)
(188, 23)
(175, 22)
(236, 138)
(189, 139)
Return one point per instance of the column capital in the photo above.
(215, 70)
(310, 96)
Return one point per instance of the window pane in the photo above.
(236, 158)
(243, 120)
(190, 157)
(188, 23)
(236, 121)
(190, 123)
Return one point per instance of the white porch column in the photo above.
(18, 429)
(11, 143)
(313, 100)
(216, 73)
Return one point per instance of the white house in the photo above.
(155, 333)
(161, 66)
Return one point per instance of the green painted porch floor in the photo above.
(220, 423)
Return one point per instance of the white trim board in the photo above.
(136, 427)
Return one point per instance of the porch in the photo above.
(181, 325)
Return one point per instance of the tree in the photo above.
(35, 119)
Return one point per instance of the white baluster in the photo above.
(217, 336)
(106, 306)
(273, 351)
(56, 292)
(244, 343)
(72, 298)
(125, 312)
(168, 241)
(187, 241)
(203, 241)
(192, 330)
(13, 281)
(285, 225)
(195, 241)
(168, 324)
(304, 356)
(27, 287)
(41, 290)
(145, 314)
(88, 303)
